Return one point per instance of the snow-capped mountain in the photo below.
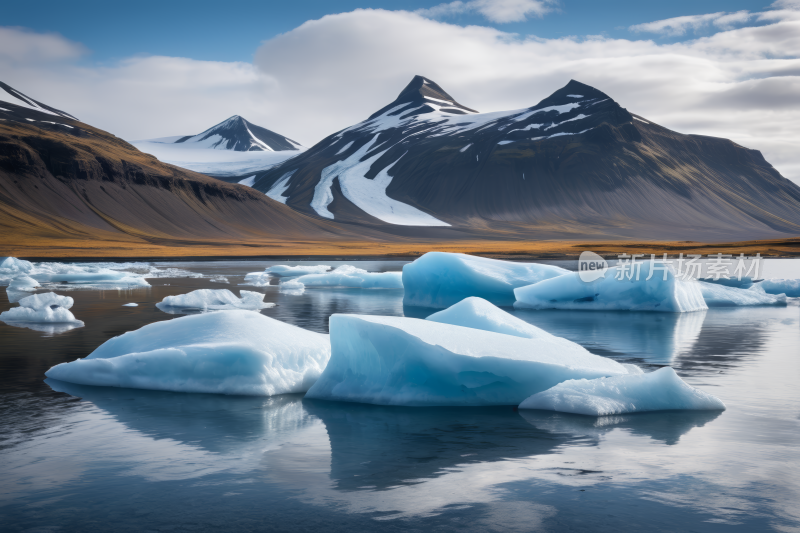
(233, 150)
(9, 95)
(575, 163)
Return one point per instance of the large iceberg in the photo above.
(441, 279)
(722, 296)
(214, 300)
(615, 291)
(231, 352)
(789, 287)
(44, 308)
(407, 361)
(11, 267)
(661, 390)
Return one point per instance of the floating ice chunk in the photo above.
(350, 276)
(45, 308)
(292, 287)
(130, 305)
(789, 287)
(11, 267)
(87, 276)
(219, 279)
(477, 313)
(256, 279)
(232, 352)
(440, 279)
(407, 361)
(661, 390)
(214, 300)
(23, 283)
(722, 296)
(609, 293)
(284, 271)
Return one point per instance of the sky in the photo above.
(307, 69)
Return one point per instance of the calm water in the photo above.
(75, 458)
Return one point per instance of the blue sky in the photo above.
(231, 31)
(306, 69)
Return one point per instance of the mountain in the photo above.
(575, 165)
(66, 184)
(234, 150)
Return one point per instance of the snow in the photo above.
(350, 276)
(661, 390)
(609, 293)
(440, 279)
(130, 305)
(640, 120)
(214, 300)
(214, 162)
(578, 117)
(505, 142)
(249, 181)
(789, 287)
(344, 148)
(45, 308)
(23, 283)
(279, 187)
(369, 195)
(232, 352)
(465, 148)
(575, 95)
(23, 101)
(407, 361)
(717, 295)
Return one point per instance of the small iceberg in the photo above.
(23, 283)
(406, 361)
(232, 352)
(352, 277)
(609, 293)
(292, 287)
(662, 390)
(722, 296)
(130, 305)
(11, 267)
(285, 271)
(789, 287)
(43, 309)
(214, 300)
(441, 279)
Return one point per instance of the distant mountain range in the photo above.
(234, 150)
(575, 164)
(66, 184)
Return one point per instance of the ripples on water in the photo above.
(76, 458)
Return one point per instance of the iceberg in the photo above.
(23, 283)
(285, 271)
(406, 361)
(130, 305)
(441, 279)
(11, 267)
(662, 390)
(789, 287)
(609, 293)
(88, 276)
(292, 287)
(357, 278)
(231, 352)
(722, 296)
(214, 300)
(44, 308)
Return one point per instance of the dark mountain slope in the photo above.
(576, 163)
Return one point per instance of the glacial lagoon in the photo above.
(80, 458)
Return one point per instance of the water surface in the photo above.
(77, 458)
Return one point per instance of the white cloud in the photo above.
(500, 11)
(680, 25)
(20, 46)
(330, 73)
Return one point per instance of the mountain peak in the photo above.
(425, 93)
(236, 133)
